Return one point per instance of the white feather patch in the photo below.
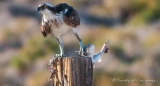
(66, 10)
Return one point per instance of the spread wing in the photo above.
(71, 18)
(45, 28)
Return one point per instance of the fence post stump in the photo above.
(72, 71)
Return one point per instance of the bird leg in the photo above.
(59, 40)
(81, 52)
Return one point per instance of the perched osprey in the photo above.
(58, 20)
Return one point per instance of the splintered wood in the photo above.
(71, 71)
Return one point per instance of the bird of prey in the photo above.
(58, 20)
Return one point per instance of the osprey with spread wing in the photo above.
(58, 20)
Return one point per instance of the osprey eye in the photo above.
(45, 6)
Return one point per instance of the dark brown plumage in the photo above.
(46, 28)
(71, 18)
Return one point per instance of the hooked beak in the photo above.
(39, 9)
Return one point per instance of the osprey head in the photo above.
(44, 6)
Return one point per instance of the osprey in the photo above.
(58, 20)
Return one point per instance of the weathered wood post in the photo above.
(72, 71)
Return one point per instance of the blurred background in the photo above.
(133, 27)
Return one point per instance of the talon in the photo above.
(63, 55)
(60, 55)
(81, 52)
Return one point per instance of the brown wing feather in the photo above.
(71, 18)
(46, 28)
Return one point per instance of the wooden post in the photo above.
(72, 71)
